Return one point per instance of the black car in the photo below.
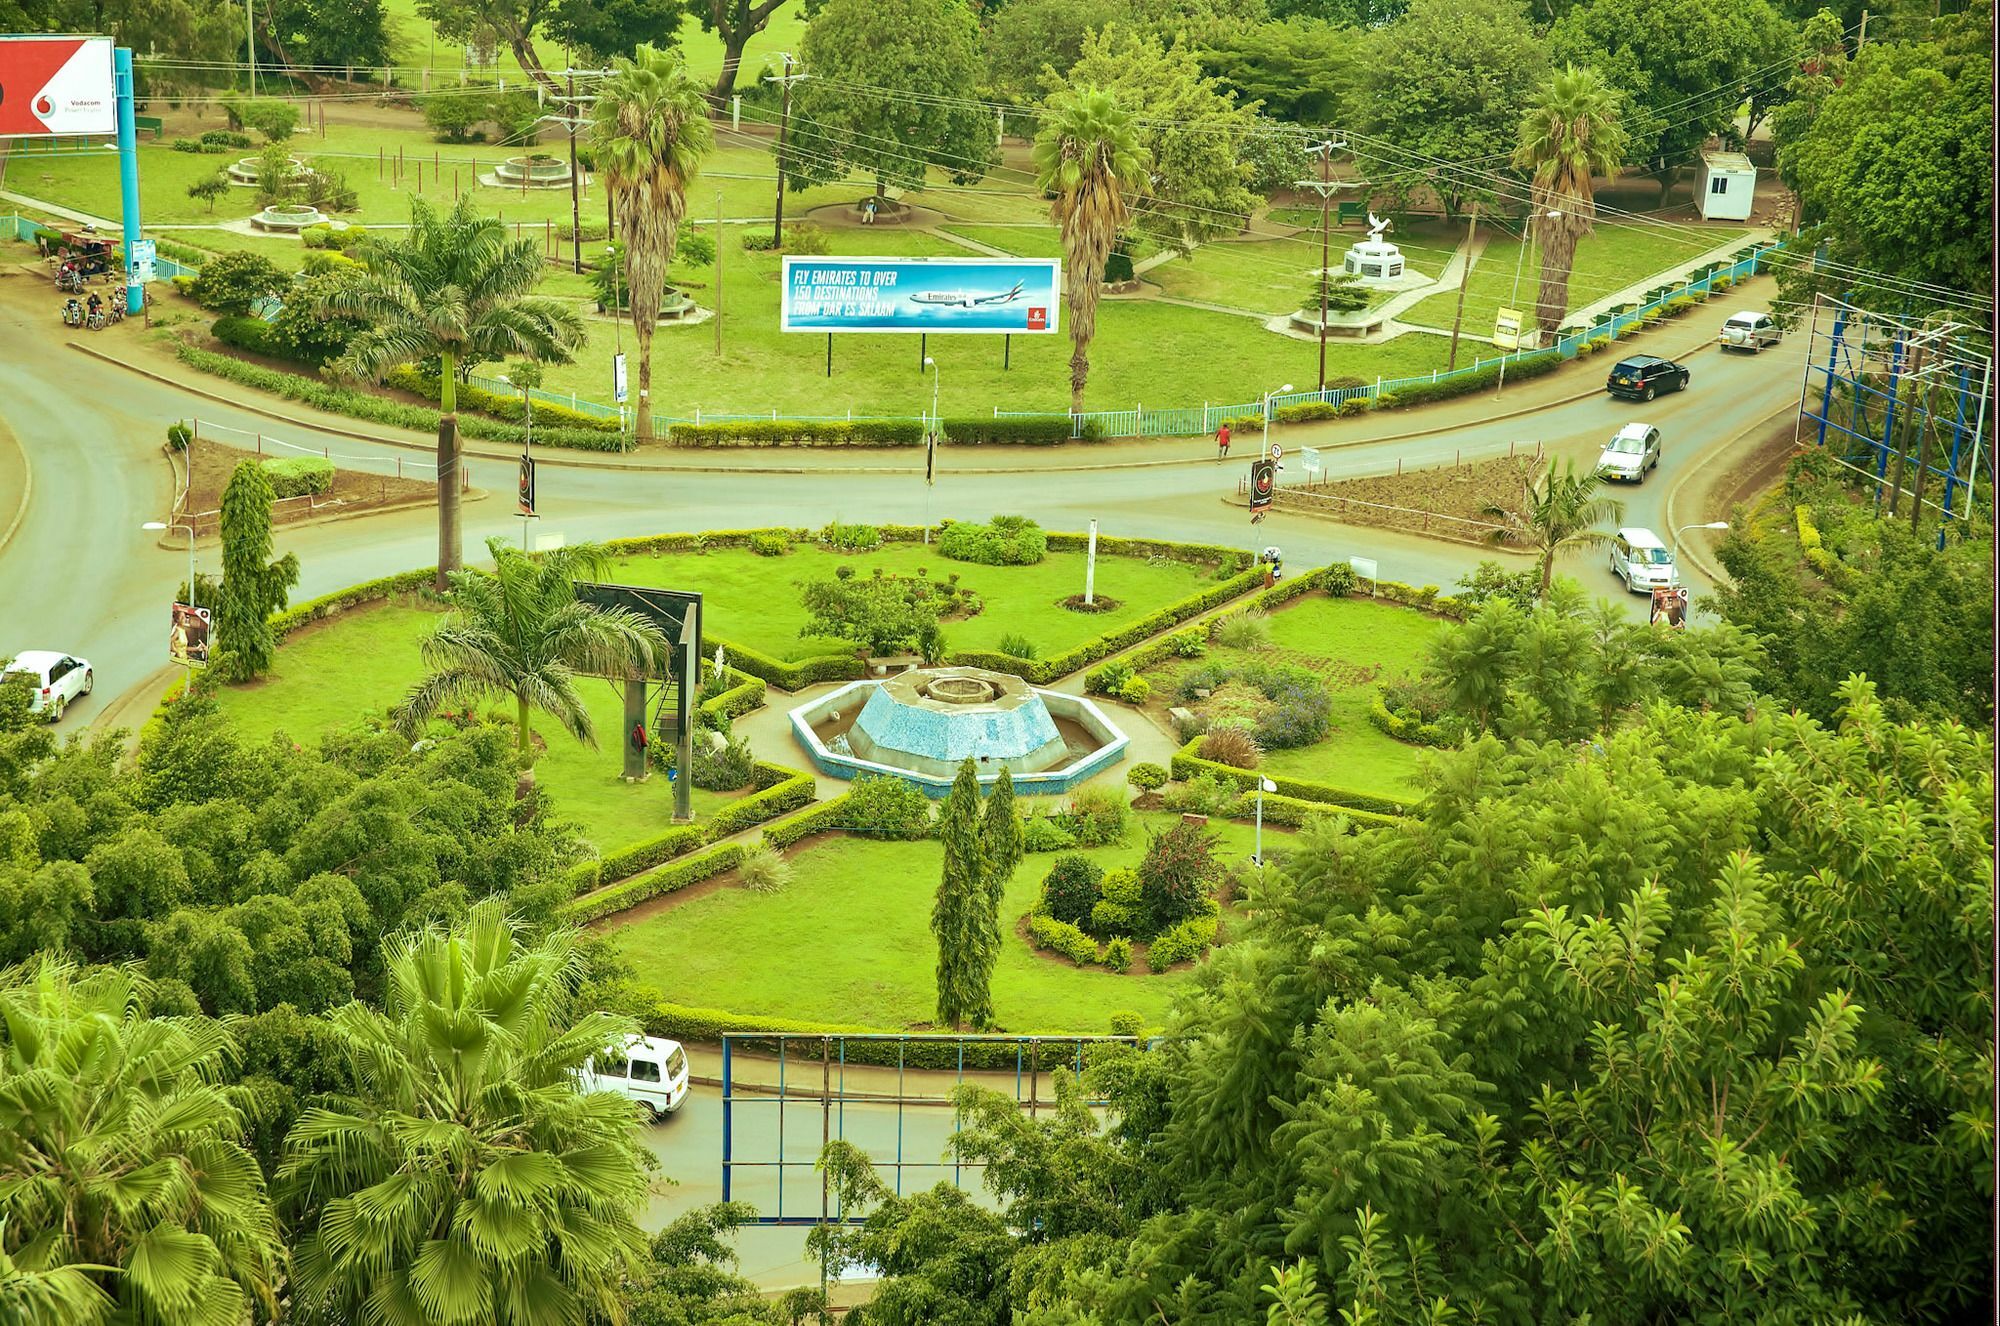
(1643, 377)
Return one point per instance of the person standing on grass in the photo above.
(1222, 441)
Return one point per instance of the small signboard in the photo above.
(1670, 607)
(1309, 460)
(618, 377)
(1507, 329)
(526, 504)
(1364, 569)
(1277, 453)
(187, 640)
(141, 263)
(1263, 484)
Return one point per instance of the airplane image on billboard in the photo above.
(931, 295)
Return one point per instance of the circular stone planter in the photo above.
(249, 170)
(537, 172)
(290, 218)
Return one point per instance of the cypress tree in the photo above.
(253, 586)
(956, 916)
(1000, 841)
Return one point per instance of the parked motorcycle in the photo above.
(72, 314)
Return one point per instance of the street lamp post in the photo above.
(1263, 785)
(1514, 299)
(930, 446)
(1680, 530)
(1267, 415)
(157, 526)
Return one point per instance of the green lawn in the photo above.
(1266, 275)
(1353, 644)
(362, 662)
(1607, 260)
(1023, 239)
(849, 941)
(754, 600)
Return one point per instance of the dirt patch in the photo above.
(211, 463)
(1102, 603)
(1450, 501)
(1759, 468)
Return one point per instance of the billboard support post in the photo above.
(690, 679)
(128, 172)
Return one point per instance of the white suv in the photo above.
(1642, 561)
(1634, 450)
(647, 1069)
(57, 679)
(1749, 331)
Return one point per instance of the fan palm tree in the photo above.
(454, 289)
(649, 131)
(522, 632)
(1559, 512)
(1088, 156)
(1568, 135)
(467, 1181)
(125, 1188)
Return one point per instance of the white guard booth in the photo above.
(1725, 186)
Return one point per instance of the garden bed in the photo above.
(210, 464)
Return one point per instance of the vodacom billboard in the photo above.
(56, 85)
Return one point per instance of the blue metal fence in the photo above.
(1141, 420)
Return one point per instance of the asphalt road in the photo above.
(82, 576)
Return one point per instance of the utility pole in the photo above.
(718, 269)
(575, 197)
(250, 44)
(1464, 279)
(1861, 38)
(784, 81)
(1324, 186)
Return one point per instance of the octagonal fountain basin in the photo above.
(249, 171)
(289, 218)
(537, 171)
(921, 725)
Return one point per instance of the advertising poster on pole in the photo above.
(56, 86)
(934, 296)
(1670, 607)
(618, 377)
(187, 640)
(1263, 485)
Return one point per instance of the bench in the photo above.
(1351, 212)
(152, 122)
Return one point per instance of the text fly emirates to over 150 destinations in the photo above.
(855, 292)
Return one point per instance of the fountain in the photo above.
(248, 172)
(536, 171)
(289, 218)
(922, 724)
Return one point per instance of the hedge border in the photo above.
(779, 789)
(1188, 765)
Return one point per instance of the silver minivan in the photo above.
(647, 1069)
(1642, 561)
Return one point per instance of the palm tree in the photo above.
(1570, 134)
(522, 632)
(454, 289)
(468, 1180)
(125, 1188)
(1560, 512)
(1088, 156)
(649, 131)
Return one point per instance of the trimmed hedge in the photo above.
(664, 846)
(500, 405)
(1187, 764)
(665, 879)
(1417, 734)
(792, 675)
(746, 696)
(332, 605)
(1030, 430)
(779, 789)
(245, 333)
(296, 476)
(826, 815)
(1061, 937)
(322, 395)
(1293, 812)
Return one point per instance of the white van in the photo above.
(1642, 561)
(647, 1069)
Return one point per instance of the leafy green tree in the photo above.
(600, 30)
(883, 613)
(1190, 128)
(1570, 133)
(120, 1158)
(454, 287)
(649, 131)
(1446, 83)
(886, 96)
(301, 331)
(691, 1279)
(253, 586)
(522, 632)
(1683, 67)
(1025, 37)
(230, 283)
(959, 915)
(735, 22)
(1874, 149)
(209, 188)
(307, 37)
(1559, 513)
(467, 1178)
(1000, 849)
(1088, 155)
(1302, 70)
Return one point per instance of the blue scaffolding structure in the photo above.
(810, 1073)
(1880, 391)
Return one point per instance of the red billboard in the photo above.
(51, 86)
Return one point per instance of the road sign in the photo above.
(1363, 568)
(526, 506)
(51, 86)
(140, 264)
(1507, 329)
(1263, 483)
(1309, 459)
(1277, 453)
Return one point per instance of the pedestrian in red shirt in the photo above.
(1222, 441)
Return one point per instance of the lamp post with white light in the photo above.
(930, 445)
(1267, 415)
(1682, 529)
(1263, 785)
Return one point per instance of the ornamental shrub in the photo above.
(1232, 745)
(1146, 777)
(296, 476)
(886, 807)
(1061, 937)
(1182, 943)
(1006, 541)
(725, 769)
(1109, 919)
(1250, 629)
(244, 333)
(1020, 646)
(1191, 643)
(763, 869)
(1120, 885)
(1070, 889)
(1136, 691)
(179, 435)
(1118, 955)
(1045, 835)
(225, 138)
(1108, 678)
(770, 545)
(1175, 875)
(1127, 1024)
(230, 283)
(850, 538)
(1097, 815)
(1204, 794)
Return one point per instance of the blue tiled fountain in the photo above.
(922, 724)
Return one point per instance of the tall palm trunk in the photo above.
(1083, 290)
(1559, 240)
(447, 471)
(651, 228)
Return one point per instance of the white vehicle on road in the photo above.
(57, 680)
(1749, 331)
(1642, 561)
(647, 1069)
(1631, 453)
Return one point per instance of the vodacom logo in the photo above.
(43, 105)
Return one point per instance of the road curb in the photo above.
(552, 458)
(13, 526)
(1714, 573)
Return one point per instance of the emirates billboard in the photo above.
(52, 86)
